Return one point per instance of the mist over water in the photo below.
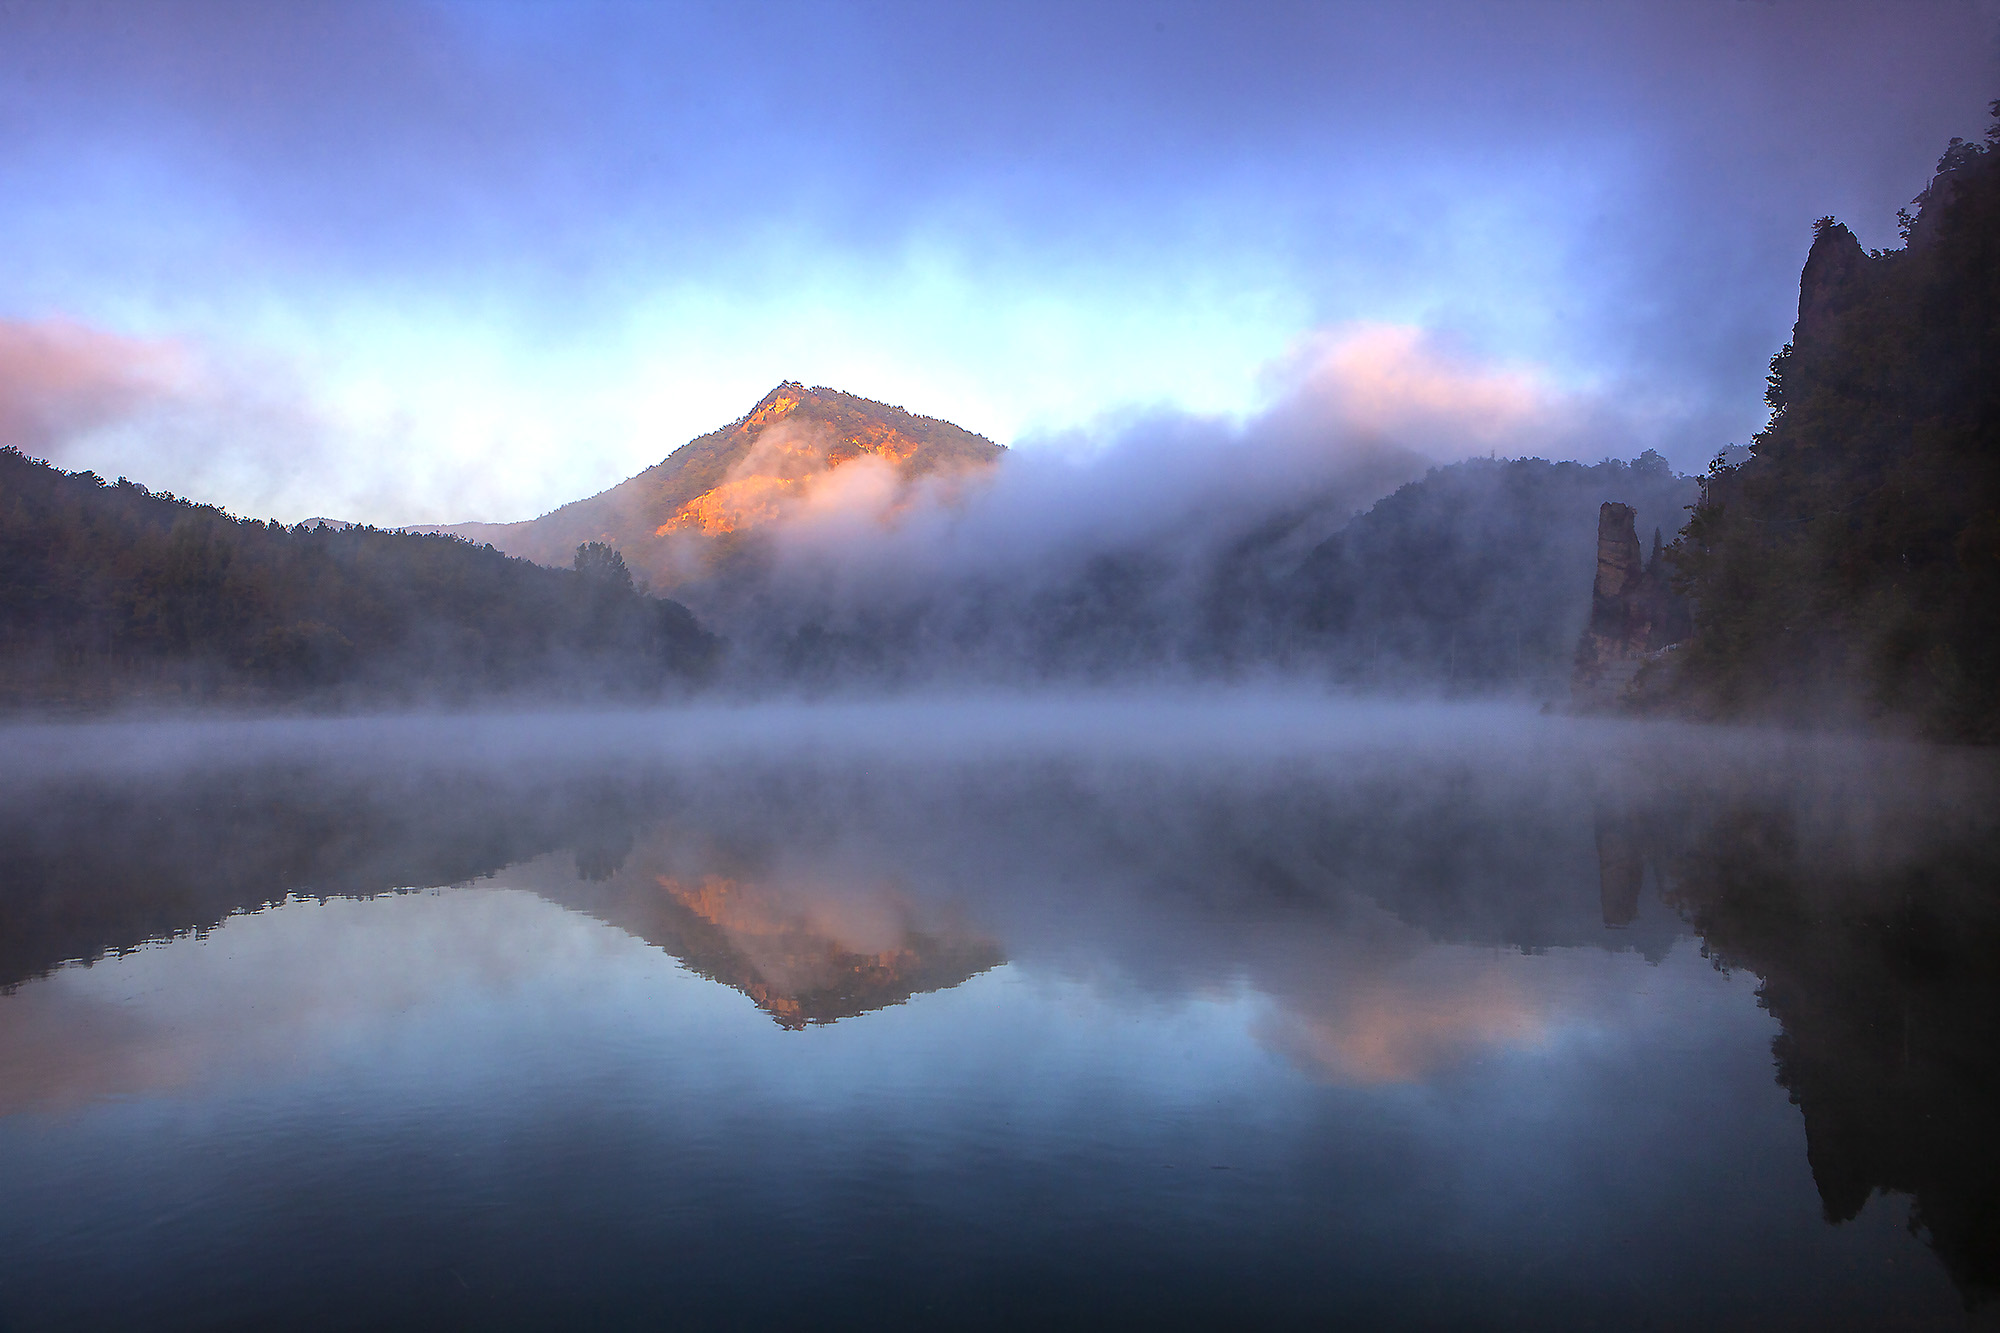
(1181, 1006)
(1177, 826)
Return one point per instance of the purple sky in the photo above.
(421, 262)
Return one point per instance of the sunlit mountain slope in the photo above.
(676, 515)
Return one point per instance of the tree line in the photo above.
(109, 590)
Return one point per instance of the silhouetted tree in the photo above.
(602, 566)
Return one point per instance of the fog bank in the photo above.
(1163, 545)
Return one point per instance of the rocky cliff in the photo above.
(1833, 282)
(1634, 614)
(1850, 567)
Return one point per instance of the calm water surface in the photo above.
(1240, 1011)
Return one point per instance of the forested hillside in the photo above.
(1852, 564)
(110, 591)
(1475, 578)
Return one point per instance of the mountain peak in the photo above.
(779, 403)
(756, 472)
(777, 455)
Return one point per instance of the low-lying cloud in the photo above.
(1398, 381)
(168, 413)
(1123, 525)
(1353, 411)
(61, 380)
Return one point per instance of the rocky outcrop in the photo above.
(1635, 616)
(1962, 171)
(1835, 279)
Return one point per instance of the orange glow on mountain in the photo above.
(791, 443)
(774, 408)
(733, 506)
(782, 471)
(764, 471)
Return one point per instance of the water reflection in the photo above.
(805, 952)
(1884, 971)
(281, 990)
(1400, 905)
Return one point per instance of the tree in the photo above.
(602, 566)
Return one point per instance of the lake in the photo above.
(1249, 1009)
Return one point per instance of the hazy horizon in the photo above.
(445, 262)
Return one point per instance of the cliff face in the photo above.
(1634, 614)
(1833, 282)
(672, 520)
(1851, 565)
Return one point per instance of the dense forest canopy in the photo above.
(1852, 564)
(108, 590)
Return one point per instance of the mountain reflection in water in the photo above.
(1393, 900)
(803, 954)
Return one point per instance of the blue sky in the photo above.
(428, 262)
